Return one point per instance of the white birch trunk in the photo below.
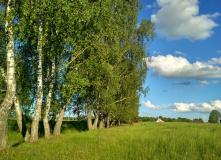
(95, 121)
(21, 124)
(89, 119)
(113, 123)
(118, 122)
(18, 112)
(57, 128)
(10, 78)
(102, 124)
(38, 105)
(90, 124)
(48, 102)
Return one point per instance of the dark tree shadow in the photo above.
(66, 125)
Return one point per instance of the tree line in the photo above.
(214, 117)
(165, 119)
(84, 55)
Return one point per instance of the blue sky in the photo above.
(185, 68)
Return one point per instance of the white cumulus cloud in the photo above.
(153, 107)
(196, 107)
(215, 61)
(179, 67)
(215, 15)
(178, 19)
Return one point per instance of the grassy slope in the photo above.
(140, 141)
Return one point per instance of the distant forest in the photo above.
(179, 119)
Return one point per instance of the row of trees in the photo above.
(165, 119)
(81, 54)
(214, 117)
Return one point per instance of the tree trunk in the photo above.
(20, 119)
(57, 128)
(48, 102)
(18, 112)
(11, 83)
(27, 136)
(112, 123)
(101, 124)
(89, 120)
(118, 122)
(95, 121)
(38, 105)
(3, 128)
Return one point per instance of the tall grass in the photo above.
(137, 142)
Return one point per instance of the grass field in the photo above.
(154, 141)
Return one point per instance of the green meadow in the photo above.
(141, 141)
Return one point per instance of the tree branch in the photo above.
(122, 99)
(74, 58)
(29, 58)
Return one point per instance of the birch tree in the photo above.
(10, 77)
(38, 105)
(48, 102)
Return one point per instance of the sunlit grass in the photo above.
(139, 142)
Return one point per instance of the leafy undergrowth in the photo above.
(137, 142)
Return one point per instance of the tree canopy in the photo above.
(214, 116)
(87, 55)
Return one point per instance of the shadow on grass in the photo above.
(66, 125)
(16, 137)
(17, 144)
(79, 126)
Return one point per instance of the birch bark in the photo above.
(90, 124)
(38, 105)
(20, 121)
(48, 102)
(95, 121)
(18, 111)
(10, 78)
(57, 128)
(89, 120)
(101, 124)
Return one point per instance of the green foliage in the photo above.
(214, 116)
(147, 119)
(200, 120)
(99, 54)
